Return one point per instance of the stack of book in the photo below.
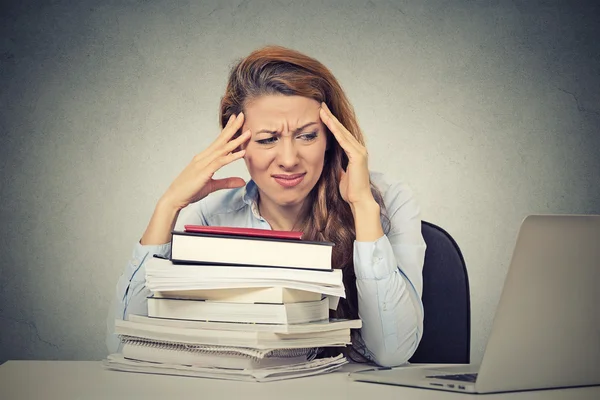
(243, 304)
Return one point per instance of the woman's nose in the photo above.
(287, 156)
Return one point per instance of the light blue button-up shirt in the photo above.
(388, 270)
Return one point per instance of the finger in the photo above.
(230, 120)
(232, 145)
(222, 161)
(226, 128)
(242, 141)
(232, 128)
(212, 153)
(337, 130)
(238, 141)
(226, 183)
(234, 123)
(341, 128)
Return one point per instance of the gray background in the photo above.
(490, 110)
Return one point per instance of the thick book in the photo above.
(252, 232)
(129, 330)
(274, 295)
(331, 324)
(163, 275)
(208, 248)
(204, 310)
(161, 270)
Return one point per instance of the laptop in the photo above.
(546, 330)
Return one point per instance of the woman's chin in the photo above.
(289, 202)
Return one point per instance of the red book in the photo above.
(253, 232)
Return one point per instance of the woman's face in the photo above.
(286, 152)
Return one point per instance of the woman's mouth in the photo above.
(288, 180)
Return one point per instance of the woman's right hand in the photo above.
(196, 181)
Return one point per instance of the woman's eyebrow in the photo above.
(295, 131)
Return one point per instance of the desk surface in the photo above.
(89, 380)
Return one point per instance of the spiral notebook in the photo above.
(219, 362)
(318, 366)
(213, 356)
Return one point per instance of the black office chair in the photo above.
(446, 301)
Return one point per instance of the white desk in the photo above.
(88, 380)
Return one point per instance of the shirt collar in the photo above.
(251, 197)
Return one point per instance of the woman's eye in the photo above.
(270, 140)
(308, 136)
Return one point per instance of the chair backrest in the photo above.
(446, 301)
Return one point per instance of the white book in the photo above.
(275, 295)
(225, 249)
(161, 270)
(256, 340)
(318, 326)
(195, 284)
(204, 310)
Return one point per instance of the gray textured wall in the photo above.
(490, 110)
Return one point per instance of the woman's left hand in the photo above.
(355, 185)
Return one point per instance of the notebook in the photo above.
(212, 356)
(546, 330)
(315, 367)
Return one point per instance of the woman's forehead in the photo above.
(278, 105)
(277, 111)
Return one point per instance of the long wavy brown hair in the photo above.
(276, 70)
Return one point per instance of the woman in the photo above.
(286, 115)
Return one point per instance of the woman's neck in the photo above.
(280, 218)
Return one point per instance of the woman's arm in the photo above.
(389, 280)
(388, 267)
(131, 292)
(194, 183)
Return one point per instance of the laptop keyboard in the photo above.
(456, 377)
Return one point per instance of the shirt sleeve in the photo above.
(389, 283)
(131, 292)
